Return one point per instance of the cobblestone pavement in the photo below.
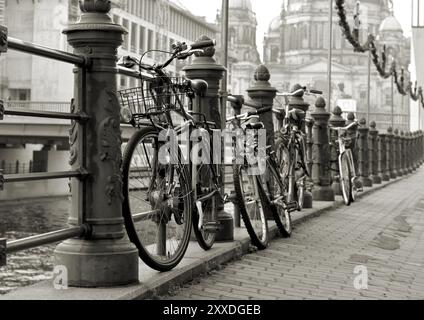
(383, 232)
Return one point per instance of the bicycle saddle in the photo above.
(255, 126)
(199, 86)
(297, 114)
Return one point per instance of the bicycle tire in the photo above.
(345, 179)
(261, 241)
(205, 239)
(166, 261)
(281, 215)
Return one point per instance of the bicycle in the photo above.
(291, 148)
(348, 179)
(270, 182)
(250, 195)
(160, 184)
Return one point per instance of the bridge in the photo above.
(379, 235)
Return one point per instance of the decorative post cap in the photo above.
(363, 122)
(262, 73)
(207, 52)
(390, 130)
(402, 133)
(337, 111)
(100, 6)
(262, 88)
(373, 125)
(351, 116)
(95, 17)
(320, 103)
(396, 132)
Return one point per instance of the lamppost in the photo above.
(330, 53)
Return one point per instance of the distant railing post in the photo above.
(382, 158)
(336, 121)
(205, 67)
(408, 152)
(104, 257)
(398, 156)
(373, 153)
(321, 177)
(402, 153)
(262, 93)
(309, 142)
(415, 150)
(390, 154)
(363, 154)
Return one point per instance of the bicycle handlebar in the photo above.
(355, 123)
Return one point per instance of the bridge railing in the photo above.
(96, 231)
(42, 110)
(62, 107)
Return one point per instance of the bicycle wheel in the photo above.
(157, 201)
(345, 178)
(278, 198)
(205, 224)
(251, 199)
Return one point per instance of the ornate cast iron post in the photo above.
(402, 153)
(382, 157)
(321, 154)
(363, 154)
(408, 137)
(415, 150)
(336, 121)
(206, 68)
(373, 153)
(396, 141)
(309, 141)
(390, 154)
(105, 257)
(298, 102)
(353, 134)
(263, 94)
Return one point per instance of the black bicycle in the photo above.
(164, 192)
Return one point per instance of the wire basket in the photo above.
(154, 98)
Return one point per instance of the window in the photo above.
(133, 37)
(20, 94)
(125, 23)
(142, 36)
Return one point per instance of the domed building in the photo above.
(243, 53)
(296, 51)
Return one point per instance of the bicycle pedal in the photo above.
(211, 227)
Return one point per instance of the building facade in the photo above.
(151, 24)
(242, 49)
(296, 51)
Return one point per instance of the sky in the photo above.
(265, 13)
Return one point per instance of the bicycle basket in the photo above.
(154, 98)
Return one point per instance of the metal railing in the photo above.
(40, 110)
(62, 107)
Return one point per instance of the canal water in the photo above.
(20, 219)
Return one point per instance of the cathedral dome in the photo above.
(390, 24)
(241, 4)
(275, 24)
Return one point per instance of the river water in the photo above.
(20, 219)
